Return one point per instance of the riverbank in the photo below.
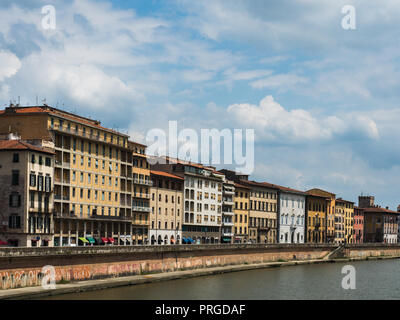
(92, 285)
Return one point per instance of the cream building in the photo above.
(166, 208)
(26, 193)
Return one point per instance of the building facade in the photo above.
(91, 169)
(292, 213)
(166, 208)
(346, 209)
(26, 191)
(263, 220)
(203, 186)
(316, 213)
(227, 226)
(358, 225)
(242, 213)
(380, 224)
(330, 222)
(139, 188)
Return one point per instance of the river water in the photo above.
(375, 279)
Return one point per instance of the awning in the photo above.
(105, 240)
(3, 243)
(111, 240)
(91, 240)
(83, 240)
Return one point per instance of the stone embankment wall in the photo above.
(22, 267)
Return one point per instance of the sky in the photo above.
(323, 100)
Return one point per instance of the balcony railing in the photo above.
(141, 209)
(143, 182)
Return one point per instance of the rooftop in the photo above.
(6, 145)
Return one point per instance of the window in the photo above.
(15, 200)
(48, 162)
(14, 222)
(15, 178)
(32, 180)
(15, 157)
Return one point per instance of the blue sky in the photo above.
(323, 100)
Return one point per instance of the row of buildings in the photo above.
(67, 181)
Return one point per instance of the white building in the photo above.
(291, 211)
(227, 211)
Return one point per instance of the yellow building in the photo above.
(345, 221)
(330, 223)
(140, 193)
(316, 218)
(242, 213)
(92, 194)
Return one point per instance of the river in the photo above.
(375, 279)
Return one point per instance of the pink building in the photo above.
(358, 225)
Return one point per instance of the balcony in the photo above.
(228, 234)
(141, 195)
(143, 182)
(227, 224)
(141, 209)
(229, 192)
(227, 213)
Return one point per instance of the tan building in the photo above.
(166, 208)
(330, 223)
(263, 206)
(140, 189)
(92, 197)
(242, 213)
(202, 218)
(26, 194)
(263, 213)
(345, 214)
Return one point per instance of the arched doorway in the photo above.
(166, 240)
(153, 240)
(159, 240)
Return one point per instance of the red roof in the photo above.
(20, 145)
(379, 210)
(165, 174)
(241, 186)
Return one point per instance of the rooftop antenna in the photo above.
(37, 100)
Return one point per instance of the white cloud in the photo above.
(9, 64)
(279, 81)
(273, 122)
